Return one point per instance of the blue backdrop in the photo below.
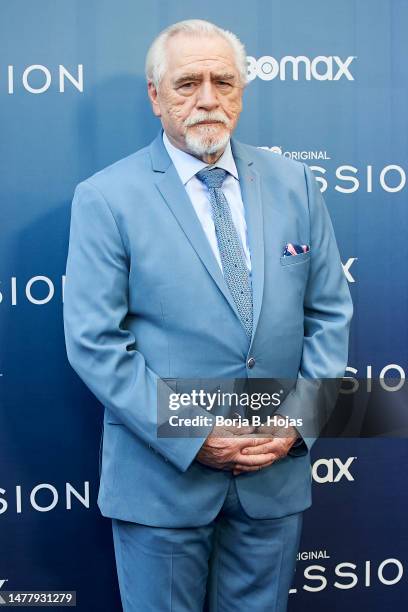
(329, 86)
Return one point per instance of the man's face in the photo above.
(199, 98)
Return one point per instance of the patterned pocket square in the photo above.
(295, 249)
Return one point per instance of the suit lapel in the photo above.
(250, 184)
(173, 191)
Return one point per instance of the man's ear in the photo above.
(152, 93)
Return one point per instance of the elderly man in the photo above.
(201, 257)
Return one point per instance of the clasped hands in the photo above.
(246, 449)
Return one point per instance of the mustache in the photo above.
(200, 117)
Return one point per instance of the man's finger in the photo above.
(239, 468)
(245, 442)
(256, 460)
(272, 446)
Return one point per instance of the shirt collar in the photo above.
(187, 165)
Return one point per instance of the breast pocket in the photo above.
(293, 260)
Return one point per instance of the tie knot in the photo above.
(213, 178)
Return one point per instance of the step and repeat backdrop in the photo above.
(328, 87)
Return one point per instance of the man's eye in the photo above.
(187, 85)
(224, 83)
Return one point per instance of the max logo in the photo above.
(332, 470)
(2, 581)
(321, 68)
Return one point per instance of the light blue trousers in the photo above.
(234, 564)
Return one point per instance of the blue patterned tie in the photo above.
(236, 273)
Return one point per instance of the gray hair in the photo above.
(155, 66)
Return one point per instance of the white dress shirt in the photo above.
(187, 167)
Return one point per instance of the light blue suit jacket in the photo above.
(145, 298)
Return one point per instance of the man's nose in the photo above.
(207, 96)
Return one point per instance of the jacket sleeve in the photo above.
(327, 314)
(99, 348)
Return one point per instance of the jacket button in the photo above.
(251, 363)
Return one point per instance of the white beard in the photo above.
(203, 141)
